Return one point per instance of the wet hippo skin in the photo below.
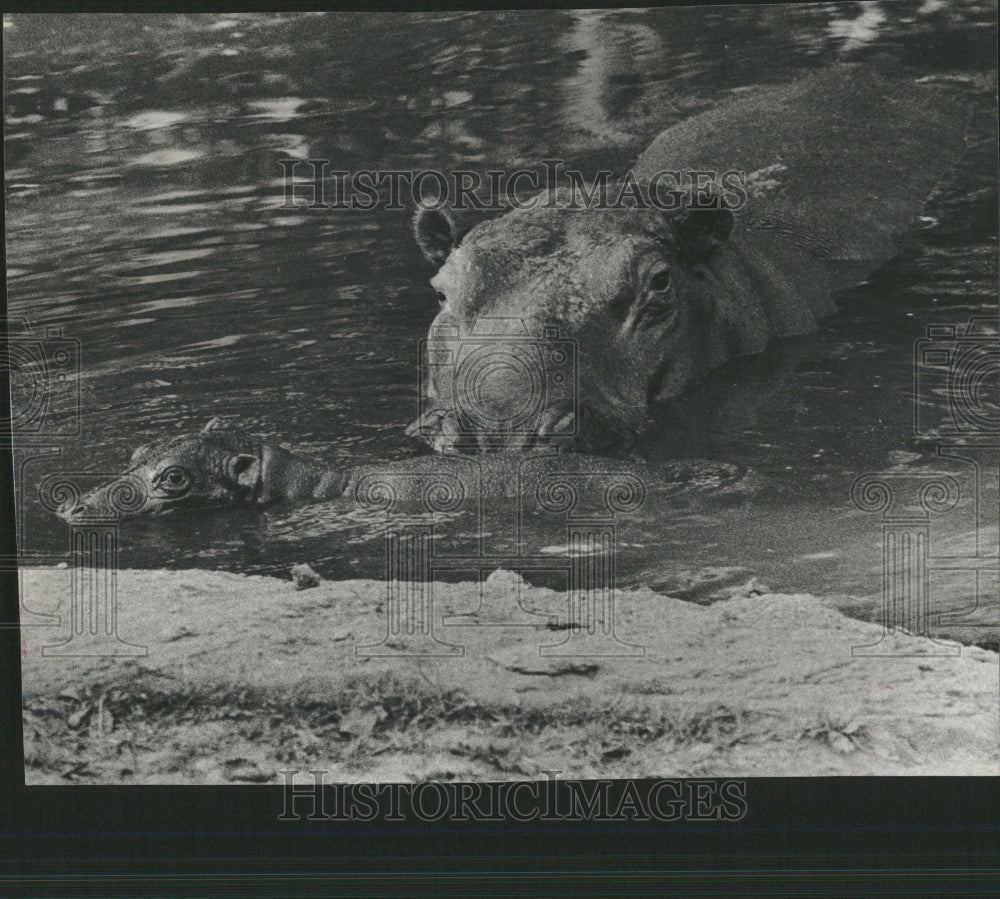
(837, 166)
(224, 468)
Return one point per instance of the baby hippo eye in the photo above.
(174, 478)
(660, 280)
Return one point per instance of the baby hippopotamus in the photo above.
(216, 468)
(222, 468)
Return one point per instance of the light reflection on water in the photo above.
(144, 213)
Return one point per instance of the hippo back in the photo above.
(837, 166)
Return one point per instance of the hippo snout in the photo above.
(497, 383)
(73, 510)
(123, 497)
(90, 507)
(447, 430)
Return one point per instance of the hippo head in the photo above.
(209, 470)
(562, 325)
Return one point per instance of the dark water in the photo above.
(144, 216)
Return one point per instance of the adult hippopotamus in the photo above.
(568, 325)
(221, 467)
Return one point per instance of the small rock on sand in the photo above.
(305, 577)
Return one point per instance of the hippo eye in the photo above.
(660, 281)
(174, 479)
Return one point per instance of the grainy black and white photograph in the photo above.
(505, 395)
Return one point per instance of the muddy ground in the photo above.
(246, 676)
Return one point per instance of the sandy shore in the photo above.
(245, 676)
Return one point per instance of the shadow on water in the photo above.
(146, 215)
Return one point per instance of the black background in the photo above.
(819, 836)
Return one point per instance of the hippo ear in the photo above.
(214, 425)
(244, 470)
(437, 233)
(700, 232)
(138, 454)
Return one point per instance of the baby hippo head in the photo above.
(213, 469)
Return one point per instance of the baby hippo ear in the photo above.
(139, 453)
(437, 233)
(244, 470)
(214, 425)
(700, 232)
